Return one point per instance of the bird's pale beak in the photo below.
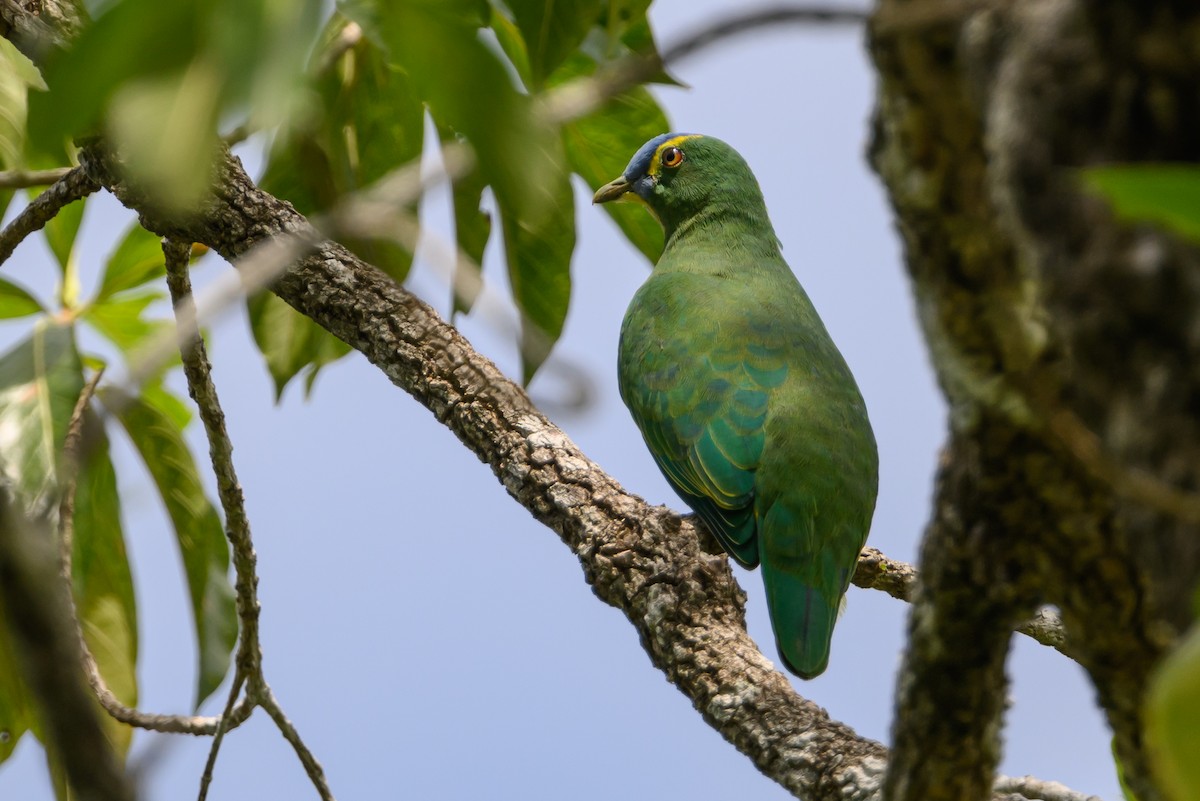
(612, 190)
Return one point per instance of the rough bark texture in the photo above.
(1035, 302)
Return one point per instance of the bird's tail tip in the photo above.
(803, 621)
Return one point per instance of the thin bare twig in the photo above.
(26, 179)
(71, 187)
(312, 767)
(72, 459)
(1034, 788)
(875, 571)
(239, 680)
(116, 709)
(198, 372)
(203, 391)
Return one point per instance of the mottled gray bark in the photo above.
(1038, 305)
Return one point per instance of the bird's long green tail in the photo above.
(802, 618)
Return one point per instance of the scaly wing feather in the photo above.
(701, 403)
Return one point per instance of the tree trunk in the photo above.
(1066, 343)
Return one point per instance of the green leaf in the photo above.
(16, 716)
(370, 123)
(16, 301)
(289, 341)
(539, 252)
(1163, 194)
(261, 47)
(137, 259)
(165, 128)
(60, 235)
(103, 584)
(1126, 793)
(151, 421)
(40, 382)
(599, 147)
(472, 229)
(508, 35)
(121, 320)
(123, 44)
(552, 30)
(1172, 709)
(17, 77)
(476, 99)
(160, 104)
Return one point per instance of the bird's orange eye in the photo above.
(672, 157)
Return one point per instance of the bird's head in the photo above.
(679, 175)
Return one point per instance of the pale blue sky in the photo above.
(429, 638)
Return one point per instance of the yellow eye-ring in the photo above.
(672, 157)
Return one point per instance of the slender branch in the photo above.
(744, 22)
(1031, 787)
(203, 391)
(25, 179)
(210, 764)
(584, 95)
(311, 766)
(116, 709)
(195, 725)
(73, 186)
(198, 372)
(898, 579)
(72, 459)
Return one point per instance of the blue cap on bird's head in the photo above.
(641, 175)
(639, 165)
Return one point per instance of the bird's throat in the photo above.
(744, 230)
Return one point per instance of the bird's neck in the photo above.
(741, 230)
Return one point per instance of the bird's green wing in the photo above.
(701, 401)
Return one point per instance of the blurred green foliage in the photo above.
(1167, 195)
(1173, 719)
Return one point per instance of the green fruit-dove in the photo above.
(746, 404)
